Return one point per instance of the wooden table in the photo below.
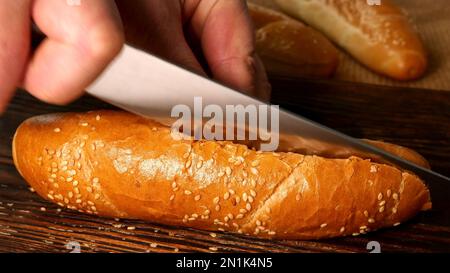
(419, 119)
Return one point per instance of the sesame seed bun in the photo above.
(120, 165)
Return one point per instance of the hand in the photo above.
(218, 32)
(81, 41)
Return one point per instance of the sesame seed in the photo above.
(75, 183)
(380, 196)
(95, 180)
(382, 203)
(323, 225)
(216, 200)
(213, 248)
(395, 196)
(366, 213)
(97, 118)
(172, 197)
(237, 199)
(197, 197)
(239, 216)
(31, 189)
(69, 179)
(43, 209)
(199, 164)
(131, 228)
(154, 245)
(244, 197)
(50, 196)
(388, 193)
(188, 164)
(176, 250)
(373, 169)
(89, 189)
(355, 234)
(381, 209)
(243, 211)
(84, 124)
(66, 200)
(221, 229)
(258, 223)
(226, 196)
(228, 171)
(253, 192)
(342, 229)
(187, 192)
(363, 227)
(271, 232)
(231, 191)
(254, 171)
(394, 210)
(396, 224)
(56, 185)
(248, 207)
(214, 235)
(217, 208)
(371, 220)
(250, 199)
(226, 219)
(255, 163)
(207, 212)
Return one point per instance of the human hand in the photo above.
(81, 41)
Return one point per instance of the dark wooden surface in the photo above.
(419, 119)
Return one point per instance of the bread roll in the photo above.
(380, 37)
(289, 48)
(116, 164)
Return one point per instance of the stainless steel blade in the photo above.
(147, 85)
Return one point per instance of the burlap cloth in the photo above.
(432, 19)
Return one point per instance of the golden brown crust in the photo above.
(289, 48)
(120, 165)
(380, 37)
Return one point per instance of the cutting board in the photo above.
(416, 118)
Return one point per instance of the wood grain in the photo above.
(419, 119)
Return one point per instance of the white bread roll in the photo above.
(116, 164)
(380, 37)
(289, 48)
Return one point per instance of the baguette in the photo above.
(289, 48)
(380, 37)
(117, 164)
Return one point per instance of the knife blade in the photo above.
(150, 86)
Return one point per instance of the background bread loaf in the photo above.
(379, 36)
(289, 48)
(117, 164)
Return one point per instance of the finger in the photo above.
(14, 46)
(156, 27)
(227, 38)
(82, 40)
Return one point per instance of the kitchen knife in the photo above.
(150, 86)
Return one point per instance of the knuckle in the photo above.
(105, 41)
